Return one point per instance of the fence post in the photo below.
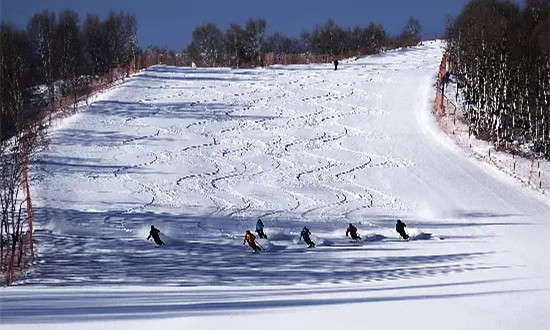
(531, 171)
(27, 192)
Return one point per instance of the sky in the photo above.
(169, 23)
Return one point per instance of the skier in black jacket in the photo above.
(352, 231)
(154, 232)
(305, 235)
(400, 228)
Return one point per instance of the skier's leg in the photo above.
(255, 247)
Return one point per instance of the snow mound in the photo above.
(417, 234)
(372, 237)
(319, 241)
(267, 246)
(277, 234)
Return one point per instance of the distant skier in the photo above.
(352, 231)
(260, 229)
(305, 235)
(251, 240)
(335, 65)
(154, 232)
(400, 228)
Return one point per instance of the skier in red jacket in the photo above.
(352, 231)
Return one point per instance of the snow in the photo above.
(203, 153)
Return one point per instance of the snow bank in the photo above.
(370, 236)
(417, 234)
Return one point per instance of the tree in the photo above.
(329, 39)
(410, 34)
(206, 45)
(68, 44)
(114, 34)
(234, 45)
(94, 45)
(254, 42)
(130, 36)
(41, 31)
(14, 70)
(304, 43)
(281, 44)
(373, 39)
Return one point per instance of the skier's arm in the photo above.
(149, 237)
(347, 231)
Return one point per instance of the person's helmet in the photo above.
(350, 225)
(259, 220)
(152, 226)
(248, 231)
(398, 220)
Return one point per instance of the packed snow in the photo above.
(203, 153)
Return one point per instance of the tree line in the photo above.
(248, 45)
(501, 55)
(58, 53)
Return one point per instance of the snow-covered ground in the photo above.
(203, 153)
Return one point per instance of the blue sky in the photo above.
(170, 23)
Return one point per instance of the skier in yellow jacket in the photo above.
(251, 240)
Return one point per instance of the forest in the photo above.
(251, 46)
(501, 56)
(56, 54)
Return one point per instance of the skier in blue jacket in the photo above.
(260, 229)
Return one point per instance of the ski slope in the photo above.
(203, 153)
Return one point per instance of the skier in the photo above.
(400, 228)
(335, 65)
(251, 240)
(154, 232)
(353, 232)
(305, 235)
(260, 229)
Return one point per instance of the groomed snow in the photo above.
(203, 153)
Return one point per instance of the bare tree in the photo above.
(207, 45)
(410, 34)
(68, 44)
(502, 56)
(14, 67)
(41, 30)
